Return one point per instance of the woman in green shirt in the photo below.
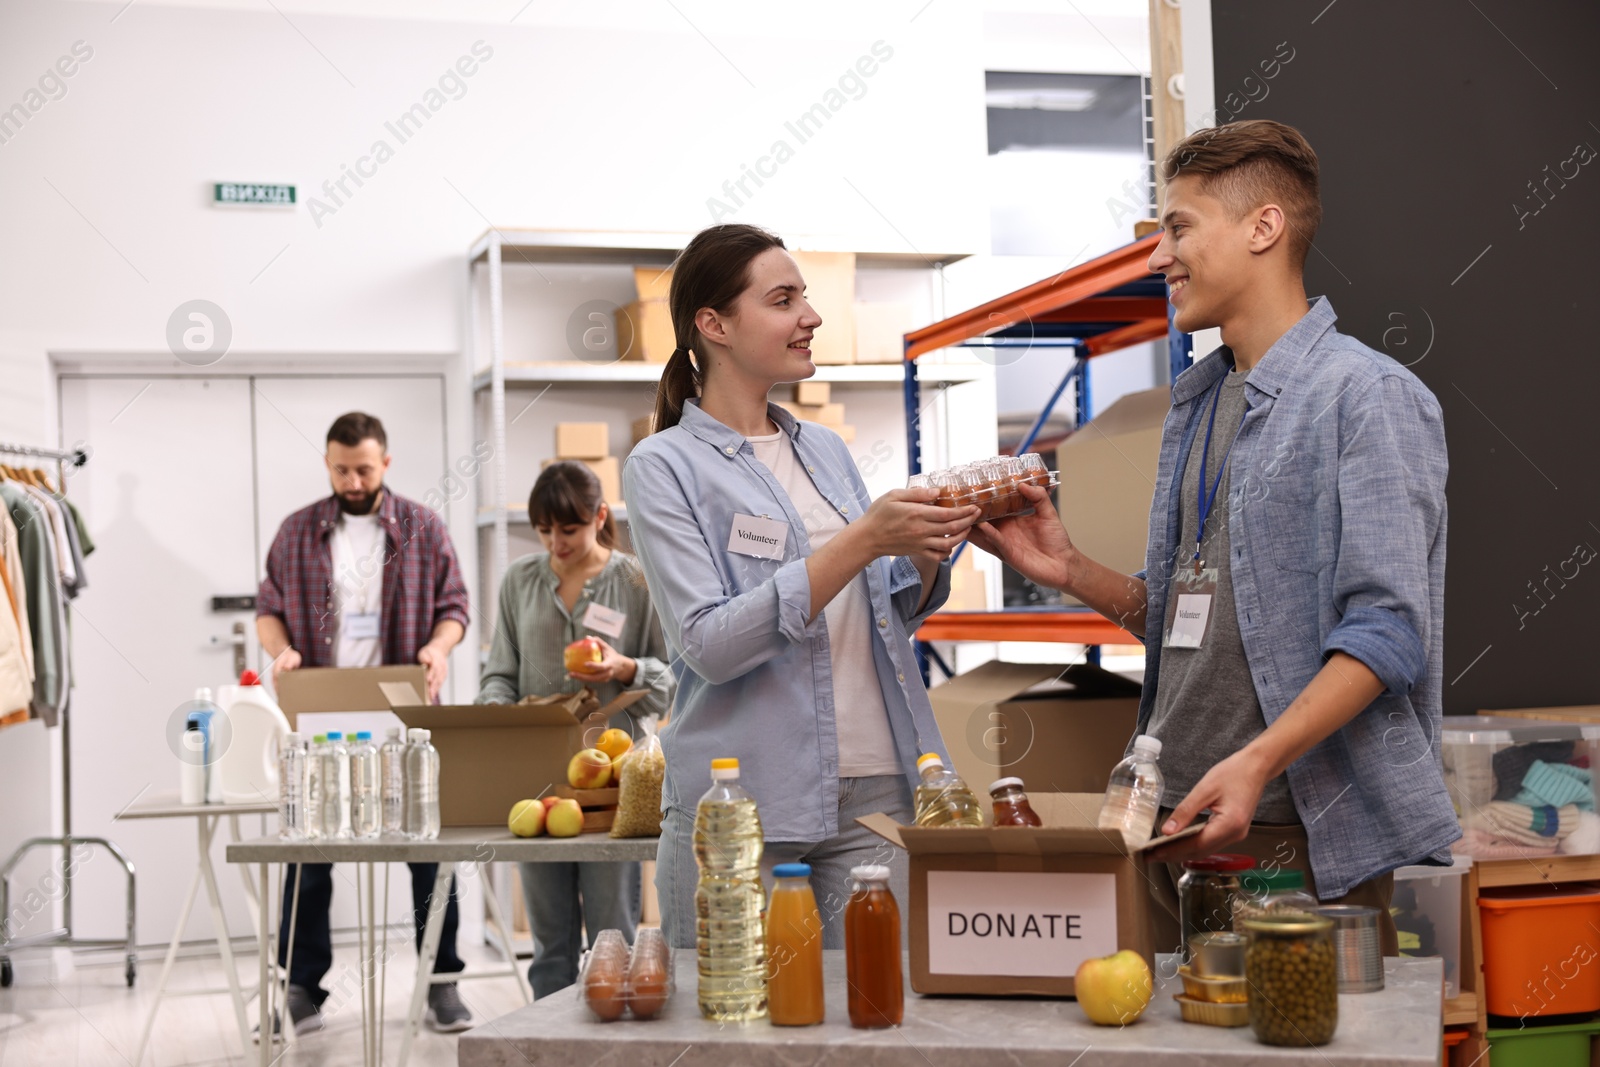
(582, 586)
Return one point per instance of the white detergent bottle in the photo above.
(249, 767)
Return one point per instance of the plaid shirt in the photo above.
(422, 584)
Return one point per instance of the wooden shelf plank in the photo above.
(1461, 1010)
(1538, 871)
(1070, 627)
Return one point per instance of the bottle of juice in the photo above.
(872, 951)
(1134, 794)
(794, 949)
(1010, 805)
(730, 940)
(942, 798)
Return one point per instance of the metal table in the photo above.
(208, 817)
(459, 844)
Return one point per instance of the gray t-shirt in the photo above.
(1205, 706)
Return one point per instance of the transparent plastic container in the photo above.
(1009, 804)
(794, 949)
(942, 798)
(422, 787)
(292, 788)
(335, 811)
(1133, 794)
(313, 810)
(1208, 894)
(650, 983)
(603, 981)
(392, 776)
(1427, 907)
(872, 960)
(730, 936)
(365, 815)
(1522, 788)
(1292, 970)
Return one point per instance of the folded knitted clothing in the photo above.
(1585, 837)
(1485, 846)
(1511, 764)
(1542, 827)
(1556, 784)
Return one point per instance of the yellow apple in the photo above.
(564, 819)
(582, 654)
(548, 802)
(1113, 990)
(527, 818)
(614, 743)
(589, 769)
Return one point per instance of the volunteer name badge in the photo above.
(604, 620)
(1189, 621)
(361, 627)
(753, 535)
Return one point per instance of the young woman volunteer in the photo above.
(582, 587)
(788, 597)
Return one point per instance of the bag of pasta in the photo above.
(639, 799)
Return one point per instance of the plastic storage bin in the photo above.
(1522, 787)
(1540, 955)
(1542, 1046)
(1427, 912)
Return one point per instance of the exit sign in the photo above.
(268, 194)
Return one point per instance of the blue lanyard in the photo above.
(1206, 501)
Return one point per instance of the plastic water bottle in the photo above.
(422, 787)
(730, 940)
(1134, 794)
(392, 772)
(311, 816)
(335, 760)
(365, 798)
(942, 798)
(292, 788)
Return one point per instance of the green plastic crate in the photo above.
(1543, 1046)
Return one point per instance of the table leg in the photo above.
(262, 1007)
(369, 977)
(426, 955)
(289, 1036)
(208, 828)
(383, 962)
(166, 966)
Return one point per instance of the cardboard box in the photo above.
(845, 431)
(607, 470)
(653, 283)
(644, 332)
(582, 440)
(969, 587)
(881, 332)
(348, 691)
(644, 427)
(1059, 730)
(808, 394)
(829, 415)
(493, 755)
(1014, 910)
(830, 279)
(1108, 476)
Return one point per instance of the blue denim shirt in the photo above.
(1337, 520)
(755, 679)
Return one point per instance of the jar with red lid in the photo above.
(1011, 807)
(1208, 894)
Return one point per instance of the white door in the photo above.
(188, 481)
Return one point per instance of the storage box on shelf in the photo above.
(1544, 1046)
(1429, 912)
(881, 332)
(1540, 954)
(830, 279)
(1523, 788)
(582, 440)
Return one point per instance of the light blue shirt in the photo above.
(755, 678)
(1337, 527)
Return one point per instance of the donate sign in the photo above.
(1016, 923)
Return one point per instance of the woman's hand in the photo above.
(1035, 545)
(905, 522)
(613, 667)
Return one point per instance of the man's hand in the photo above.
(437, 660)
(287, 660)
(1231, 789)
(1036, 545)
(613, 666)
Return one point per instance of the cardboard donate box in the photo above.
(1010, 910)
(493, 755)
(353, 693)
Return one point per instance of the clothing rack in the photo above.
(74, 457)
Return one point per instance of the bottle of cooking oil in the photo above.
(730, 934)
(942, 798)
(1134, 793)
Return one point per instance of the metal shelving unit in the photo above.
(1102, 306)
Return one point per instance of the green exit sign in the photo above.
(261, 193)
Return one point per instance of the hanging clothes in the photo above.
(16, 653)
(44, 600)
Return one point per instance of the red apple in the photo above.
(583, 654)
(549, 802)
(589, 769)
(527, 818)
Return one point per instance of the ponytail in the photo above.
(711, 272)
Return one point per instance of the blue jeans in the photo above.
(566, 900)
(677, 873)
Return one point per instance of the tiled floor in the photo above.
(91, 1018)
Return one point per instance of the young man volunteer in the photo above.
(1292, 603)
(362, 578)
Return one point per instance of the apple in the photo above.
(565, 819)
(589, 769)
(616, 769)
(527, 818)
(548, 802)
(614, 743)
(1113, 990)
(583, 654)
